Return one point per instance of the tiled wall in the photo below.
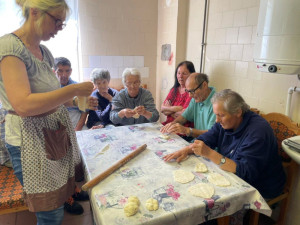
(116, 34)
(115, 65)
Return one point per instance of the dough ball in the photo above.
(166, 137)
(201, 167)
(152, 204)
(218, 180)
(202, 190)
(183, 176)
(136, 116)
(134, 199)
(130, 209)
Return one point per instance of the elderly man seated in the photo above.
(134, 104)
(246, 145)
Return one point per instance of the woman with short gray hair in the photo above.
(133, 104)
(100, 118)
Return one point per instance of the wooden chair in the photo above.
(283, 128)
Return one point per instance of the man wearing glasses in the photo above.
(199, 111)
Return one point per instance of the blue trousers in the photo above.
(53, 217)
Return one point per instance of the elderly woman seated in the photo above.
(100, 118)
(246, 145)
(134, 104)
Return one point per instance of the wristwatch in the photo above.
(222, 161)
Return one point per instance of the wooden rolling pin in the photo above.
(113, 168)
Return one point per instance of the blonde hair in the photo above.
(41, 5)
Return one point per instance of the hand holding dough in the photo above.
(152, 204)
(136, 116)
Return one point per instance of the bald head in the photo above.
(197, 78)
(197, 86)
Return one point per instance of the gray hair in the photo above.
(232, 101)
(99, 74)
(130, 71)
(201, 77)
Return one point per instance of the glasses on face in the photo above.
(58, 22)
(192, 91)
(135, 84)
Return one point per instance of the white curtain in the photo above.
(64, 44)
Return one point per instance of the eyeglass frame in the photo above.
(58, 22)
(195, 89)
(135, 84)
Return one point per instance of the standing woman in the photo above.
(39, 134)
(178, 99)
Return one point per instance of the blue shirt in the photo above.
(253, 147)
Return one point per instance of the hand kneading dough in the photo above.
(136, 116)
(218, 180)
(183, 176)
(134, 199)
(152, 204)
(201, 167)
(202, 190)
(130, 208)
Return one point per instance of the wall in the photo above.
(118, 34)
(229, 63)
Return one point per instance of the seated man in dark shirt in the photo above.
(100, 118)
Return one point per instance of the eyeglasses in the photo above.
(58, 22)
(194, 90)
(135, 84)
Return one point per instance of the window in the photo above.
(64, 44)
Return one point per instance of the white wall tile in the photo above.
(254, 31)
(128, 61)
(245, 34)
(252, 15)
(94, 61)
(117, 61)
(240, 18)
(106, 61)
(220, 36)
(224, 52)
(86, 73)
(138, 61)
(248, 53)
(232, 35)
(144, 71)
(236, 52)
(114, 72)
(241, 68)
(227, 19)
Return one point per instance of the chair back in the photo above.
(283, 128)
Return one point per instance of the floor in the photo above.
(28, 218)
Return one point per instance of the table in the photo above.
(148, 176)
(293, 154)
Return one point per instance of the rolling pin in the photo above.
(113, 168)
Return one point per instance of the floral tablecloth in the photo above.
(148, 176)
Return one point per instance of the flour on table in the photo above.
(183, 176)
(200, 167)
(218, 180)
(202, 190)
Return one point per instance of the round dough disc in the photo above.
(152, 204)
(218, 180)
(183, 176)
(202, 190)
(201, 167)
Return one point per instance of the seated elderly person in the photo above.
(100, 118)
(246, 145)
(134, 104)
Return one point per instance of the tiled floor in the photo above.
(28, 218)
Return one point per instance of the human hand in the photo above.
(200, 148)
(167, 103)
(92, 103)
(140, 110)
(106, 95)
(128, 113)
(177, 128)
(178, 155)
(165, 128)
(84, 88)
(97, 127)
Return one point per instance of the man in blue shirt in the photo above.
(199, 111)
(63, 72)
